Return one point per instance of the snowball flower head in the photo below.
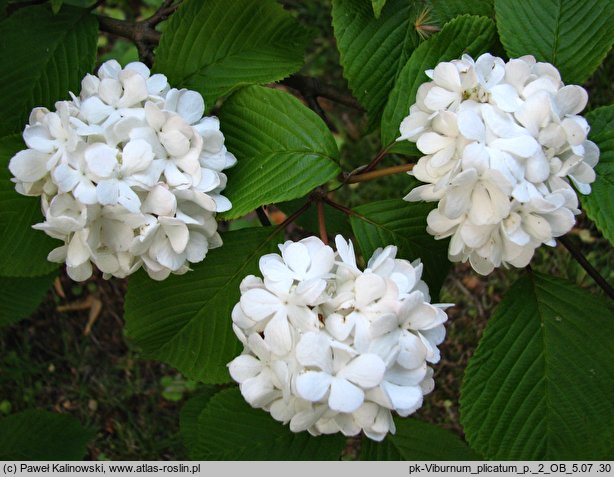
(129, 174)
(503, 144)
(331, 348)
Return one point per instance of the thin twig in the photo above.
(293, 217)
(309, 86)
(584, 263)
(322, 222)
(263, 217)
(377, 159)
(367, 176)
(335, 205)
(314, 105)
(166, 10)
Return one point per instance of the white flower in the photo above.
(502, 142)
(129, 174)
(331, 348)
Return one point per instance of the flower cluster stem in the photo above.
(377, 159)
(367, 176)
(584, 263)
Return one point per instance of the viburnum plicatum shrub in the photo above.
(503, 144)
(129, 174)
(493, 108)
(331, 348)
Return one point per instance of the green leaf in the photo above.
(20, 297)
(216, 46)
(573, 35)
(188, 420)
(42, 435)
(56, 5)
(446, 10)
(185, 320)
(377, 5)
(373, 50)
(230, 429)
(284, 149)
(466, 34)
(42, 57)
(23, 249)
(400, 223)
(417, 440)
(599, 204)
(540, 386)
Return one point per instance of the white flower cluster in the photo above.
(129, 173)
(502, 140)
(330, 348)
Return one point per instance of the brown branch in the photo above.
(309, 86)
(137, 32)
(584, 263)
(166, 10)
(322, 223)
(293, 217)
(263, 217)
(367, 176)
(143, 34)
(335, 205)
(377, 159)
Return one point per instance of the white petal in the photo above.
(439, 98)
(244, 367)
(95, 111)
(81, 272)
(29, 165)
(259, 304)
(314, 349)
(222, 204)
(522, 146)
(369, 287)
(446, 75)
(431, 142)
(85, 191)
(345, 396)
(101, 159)
(135, 89)
(403, 398)
(191, 106)
(37, 137)
(177, 233)
(110, 90)
(297, 258)
(339, 326)
(412, 352)
(136, 156)
(571, 99)
(197, 247)
(175, 143)
(78, 252)
(366, 370)
(128, 198)
(506, 97)
(107, 192)
(471, 126)
(313, 385)
(160, 201)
